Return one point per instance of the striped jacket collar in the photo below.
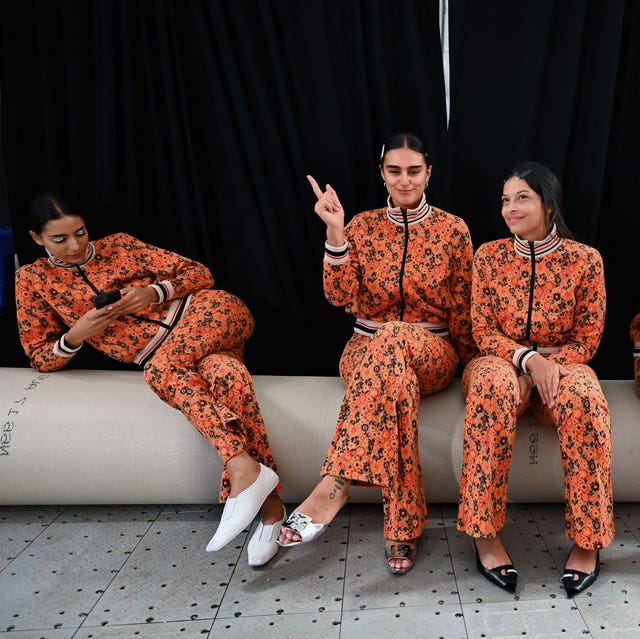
(540, 247)
(413, 215)
(91, 253)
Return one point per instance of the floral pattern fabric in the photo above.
(197, 369)
(567, 312)
(376, 438)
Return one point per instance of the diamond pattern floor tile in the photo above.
(435, 621)
(170, 630)
(19, 526)
(57, 580)
(611, 617)
(318, 625)
(305, 578)
(542, 619)
(135, 571)
(370, 584)
(38, 634)
(169, 576)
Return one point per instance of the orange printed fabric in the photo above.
(408, 283)
(198, 370)
(635, 336)
(50, 298)
(568, 305)
(565, 314)
(436, 286)
(376, 436)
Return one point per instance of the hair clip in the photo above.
(524, 174)
(381, 153)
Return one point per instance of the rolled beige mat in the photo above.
(102, 437)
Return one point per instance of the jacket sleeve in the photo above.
(340, 273)
(589, 314)
(460, 288)
(176, 276)
(40, 328)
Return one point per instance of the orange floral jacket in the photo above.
(51, 297)
(374, 280)
(563, 312)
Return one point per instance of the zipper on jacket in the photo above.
(404, 261)
(96, 290)
(531, 288)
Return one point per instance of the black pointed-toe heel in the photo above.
(585, 579)
(507, 581)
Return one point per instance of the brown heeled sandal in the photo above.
(405, 550)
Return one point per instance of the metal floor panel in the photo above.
(141, 571)
(57, 579)
(169, 576)
(321, 625)
(431, 621)
(20, 526)
(533, 619)
(369, 584)
(307, 578)
(170, 630)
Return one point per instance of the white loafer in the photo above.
(300, 523)
(262, 545)
(240, 511)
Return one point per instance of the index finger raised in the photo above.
(315, 186)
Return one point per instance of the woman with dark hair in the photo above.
(138, 303)
(404, 272)
(635, 336)
(537, 309)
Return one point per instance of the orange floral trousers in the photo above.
(580, 416)
(198, 369)
(376, 437)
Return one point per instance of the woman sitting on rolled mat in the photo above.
(138, 303)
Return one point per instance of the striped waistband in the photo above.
(172, 317)
(369, 327)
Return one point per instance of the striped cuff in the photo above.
(636, 349)
(62, 350)
(164, 290)
(521, 357)
(336, 254)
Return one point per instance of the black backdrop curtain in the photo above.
(192, 125)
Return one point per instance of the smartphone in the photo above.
(106, 297)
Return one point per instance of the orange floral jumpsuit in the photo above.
(635, 336)
(546, 296)
(190, 342)
(407, 280)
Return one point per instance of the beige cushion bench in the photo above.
(102, 437)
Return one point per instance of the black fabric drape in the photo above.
(192, 125)
(557, 82)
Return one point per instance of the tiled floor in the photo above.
(133, 571)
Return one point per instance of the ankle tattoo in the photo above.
(337, 486)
